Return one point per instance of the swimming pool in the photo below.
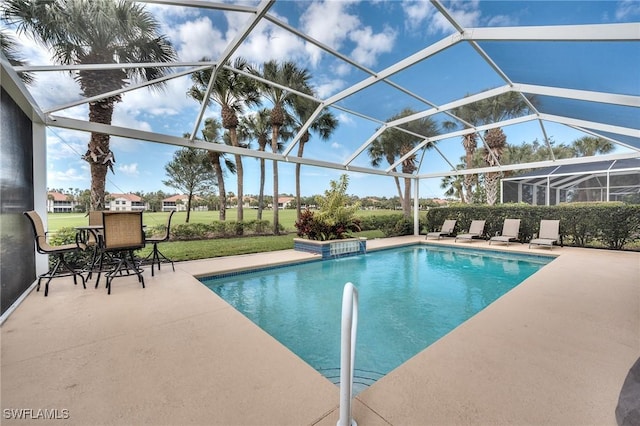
(409, 297)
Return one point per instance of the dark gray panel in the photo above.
(17, 256)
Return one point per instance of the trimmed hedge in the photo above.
(602, 225)
(231, 228)
(391, 225)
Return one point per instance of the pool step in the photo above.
(362, 379)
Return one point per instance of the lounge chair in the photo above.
(549, 233)
(510, 230)
(475, 231)
(445, 231)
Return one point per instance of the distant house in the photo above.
(60, 203)
(284, 202)
(176, 203)
(126, 203)
(179, 203)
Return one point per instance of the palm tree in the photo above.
(96, 32)
(588, 146)
(496, 142)
(324, 125)
(378, 151)
(9, 50)
(233, 92)
(287, 75)
(211, 133)
(453, 185)
(489, 110)
(394, 144)
(258, 127)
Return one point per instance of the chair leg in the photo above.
(157, 258)
(60, 266)
(165, 259)
(126, 266)
(72, 271)
(137, 270)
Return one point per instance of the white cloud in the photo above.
(65, 147)
(421, 14)
(129, 169)
(341, 69)
(333, 24)
(326, 88)
(328, 22)
(267, 42)
(345, 118)
(627, 9)
(370, 45)
(502, 21)
(417, 12)
(66, 178)
(197, 39)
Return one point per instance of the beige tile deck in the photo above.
(555, 350)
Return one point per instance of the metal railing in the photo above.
(348, 352)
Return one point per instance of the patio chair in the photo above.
(156, 255)
(475, 231)
(122, 235)
(61, 268)
(549, 234)
(445, 231)
(510, 231)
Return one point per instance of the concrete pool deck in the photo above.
(555, 350)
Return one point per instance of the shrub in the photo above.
(335, 219)
(613, 225)
(404, 226)
(68, 235)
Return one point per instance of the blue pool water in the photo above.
(408, 298)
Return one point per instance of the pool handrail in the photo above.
(349, 328)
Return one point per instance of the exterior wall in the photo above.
(124, 205)
(18, 185)
(54, 206)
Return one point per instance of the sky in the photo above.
(376, 34)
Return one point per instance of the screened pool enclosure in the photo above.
(379, 67)
(617, 180)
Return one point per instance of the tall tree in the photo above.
(8, 46)
(96, 32)
(212, 133)
(491, 110)
(496, 142)
(288, 76)
(394, 144)
(323, 125)
(453, 185)
(190, 171)
(233, 92)
(588, 146)
(258, 127)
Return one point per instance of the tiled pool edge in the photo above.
(476, 250)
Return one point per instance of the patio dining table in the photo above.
(102, 259)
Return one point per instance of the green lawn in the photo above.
(215, 247)
(287, 218)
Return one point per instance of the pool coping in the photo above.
(521, 360)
